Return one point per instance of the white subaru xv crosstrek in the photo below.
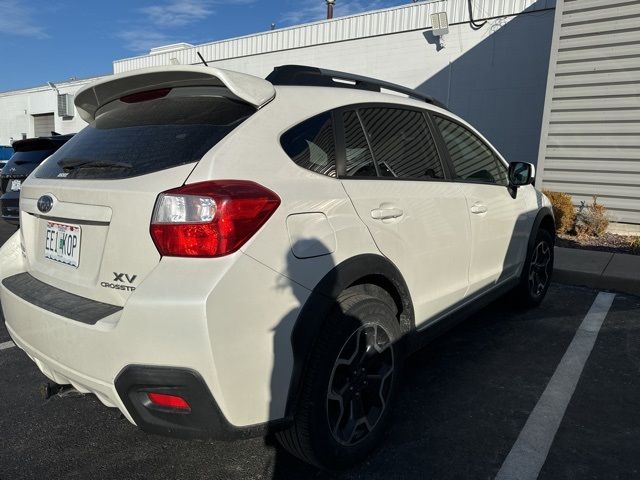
(219, 255)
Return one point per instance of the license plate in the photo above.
(16, 185)
(62, 243)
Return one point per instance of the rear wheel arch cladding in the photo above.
(352, 273)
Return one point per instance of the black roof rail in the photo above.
(322, 77)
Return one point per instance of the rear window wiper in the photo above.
(72, 163)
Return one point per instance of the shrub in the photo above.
(591, 219)
(563, 210)
(634, 246)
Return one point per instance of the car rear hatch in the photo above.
(86, 211)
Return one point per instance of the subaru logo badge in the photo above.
(45, 203)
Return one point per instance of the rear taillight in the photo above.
(210, 219)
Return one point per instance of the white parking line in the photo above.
(528, 454)
(5, 345)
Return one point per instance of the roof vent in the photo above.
(65, 105)
(174, 47)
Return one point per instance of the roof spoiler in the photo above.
(253, 90)
(40, 143)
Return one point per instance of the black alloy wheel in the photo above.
(360, 384)
(350, 383)
(540, 268)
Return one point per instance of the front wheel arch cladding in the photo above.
(545, 214)
(323, 300)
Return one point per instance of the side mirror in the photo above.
(521, 174)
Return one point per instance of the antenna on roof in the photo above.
(203, 60)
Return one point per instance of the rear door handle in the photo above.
(386, 213)
(479, 208)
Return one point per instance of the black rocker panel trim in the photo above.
(58, 301)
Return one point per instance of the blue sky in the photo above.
(44, 41)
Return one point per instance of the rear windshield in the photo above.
(135, 138)
(32, 156)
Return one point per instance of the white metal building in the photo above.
(35, 112)
(493, 75)
(590, 143)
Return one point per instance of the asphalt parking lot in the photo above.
(467, 401)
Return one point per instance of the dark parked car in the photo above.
(28, 155)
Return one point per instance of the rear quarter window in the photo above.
(311, 145)
(131, 139)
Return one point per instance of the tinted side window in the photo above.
(402, 143)
(311, 145)
(359, 160)
(471, 158)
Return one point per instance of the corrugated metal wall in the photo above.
(394, 20)
(591, 127)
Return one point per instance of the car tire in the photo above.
(537, 271)
(356, 361)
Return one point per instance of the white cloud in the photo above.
(178, 13)
(143, 39)
(160, 19)
(16, 18)
(314, 10)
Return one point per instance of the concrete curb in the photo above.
(601, 270)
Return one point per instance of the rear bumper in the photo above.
(236, 348)
(205, 421)
(57, 301)
(64, 375)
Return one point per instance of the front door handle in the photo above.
(479, 208)
(386, 213)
